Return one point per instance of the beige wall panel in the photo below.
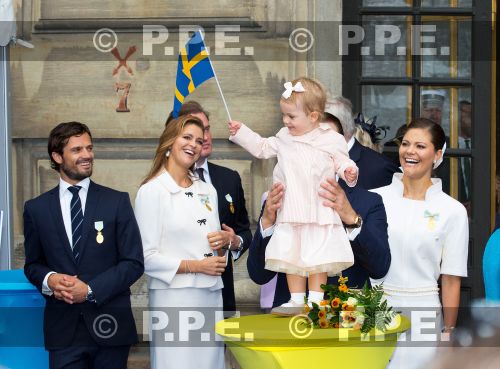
(47, 177)
(327, 68)
(68, 9)
(122, 175)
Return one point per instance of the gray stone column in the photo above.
(5, 162)
(327, 64)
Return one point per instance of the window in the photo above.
(431, 58)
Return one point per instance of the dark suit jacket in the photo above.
(372, 256)
(227, 181)
(109, 268)
(375, 169)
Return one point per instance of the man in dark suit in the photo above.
(363, 214)
(375, 169)
(83, 252)
(231, 198)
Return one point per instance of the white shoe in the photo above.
(290, 308)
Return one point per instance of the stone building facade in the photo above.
(65, 77)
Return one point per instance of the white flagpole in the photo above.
(220, 90)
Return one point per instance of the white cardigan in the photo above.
(174, 223)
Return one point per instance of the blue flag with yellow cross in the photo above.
(193, 68)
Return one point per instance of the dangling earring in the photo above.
(167, 154)
(433, 162)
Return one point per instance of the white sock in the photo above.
(316, 296)
(298, 298)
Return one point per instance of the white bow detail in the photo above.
(289, 89)
(440, 160)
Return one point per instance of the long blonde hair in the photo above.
(172, 130)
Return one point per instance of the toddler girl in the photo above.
(309, 239)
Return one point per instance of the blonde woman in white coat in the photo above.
(179, 223)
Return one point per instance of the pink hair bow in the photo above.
(289, 89)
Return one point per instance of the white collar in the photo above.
(63, 185)
(350, 143)
(306, 137)
(169, 183)
(435, 188)
(325, 126)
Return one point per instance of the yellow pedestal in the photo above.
(271, 342)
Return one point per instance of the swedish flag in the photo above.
(193, 69)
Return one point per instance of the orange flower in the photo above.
(336, 325)
(321, 314)
(306, 309)
(335, 303)
(343, 288)
(323, 323)
(323, 303)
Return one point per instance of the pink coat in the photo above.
(303, 163)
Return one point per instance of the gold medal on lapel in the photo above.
(99, 226)
(431, 219)
(229, 199)
(431, 224)
(205, 200)
(99, 238)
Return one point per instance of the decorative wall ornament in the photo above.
(122, 88)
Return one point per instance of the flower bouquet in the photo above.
(363, 309)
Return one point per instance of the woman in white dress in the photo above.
(179, 223)
(428, 237)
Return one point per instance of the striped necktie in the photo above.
(76, 220)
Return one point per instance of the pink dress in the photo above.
(309, 237)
